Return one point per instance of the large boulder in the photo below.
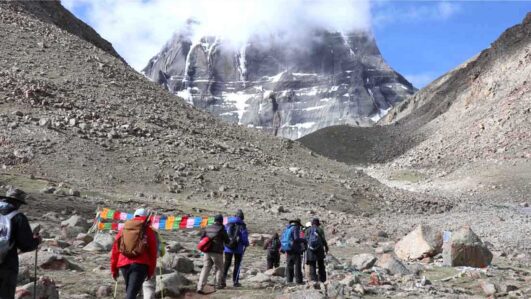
(363, 261)
(422, 242)
(106, 240)
(392, 264)
(177, 263)
(465, 248)
(45, 289)
(171, 285)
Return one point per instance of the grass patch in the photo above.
(410, 176)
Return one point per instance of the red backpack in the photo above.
(204, 244)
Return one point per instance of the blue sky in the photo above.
(420, 39)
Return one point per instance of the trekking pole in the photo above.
(35, 274)
(161, 285)
(115, 288)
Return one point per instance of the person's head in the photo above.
(15, 197)
(275, 235)
(295, 222)
(316, 222)
(218, 219)
(140, 213)
(239, 214)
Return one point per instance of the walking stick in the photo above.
(161, 285)
(115, 288)
(35, 274)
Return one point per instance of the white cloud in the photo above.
(420, 80)
(139, 28)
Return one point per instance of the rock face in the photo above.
(421, 242)
(288, 90)
(466, 249)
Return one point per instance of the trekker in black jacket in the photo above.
(273, 251)
(316, 253)
(214, 255)
(21, 238)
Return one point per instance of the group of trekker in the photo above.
(137, 247)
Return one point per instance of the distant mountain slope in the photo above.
(480, 111)
(72, 112)
(282, 87)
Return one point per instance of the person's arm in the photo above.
(225, 236)
(245, 237)
(268, 243)
(114, 256)
(23, 237)
(152, 250)
(323, 237)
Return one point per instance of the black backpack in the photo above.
(274, 246)
(234, 236)
(314, 239)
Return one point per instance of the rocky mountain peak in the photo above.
(289, 87)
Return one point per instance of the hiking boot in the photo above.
(201, 292)
(317, 286)
(221, 286)
(237, 285)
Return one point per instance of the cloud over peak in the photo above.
(139, 28)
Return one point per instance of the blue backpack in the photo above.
(286, 241)
(314, 239)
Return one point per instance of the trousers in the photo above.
(273, 261)
(209, 260)
(237, 263)
(294, 267)
(8, 284)
(134, 275)
(313, 270)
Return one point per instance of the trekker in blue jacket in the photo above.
(238, 242)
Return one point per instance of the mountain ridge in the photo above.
(282, 89)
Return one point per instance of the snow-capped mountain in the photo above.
(289, 88)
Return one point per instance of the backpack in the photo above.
(286, 241)
(5, 234)
(234, 236)
(132, 242)
(273, 247)
(314, 239)
(204, 244)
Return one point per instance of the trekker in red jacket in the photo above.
(135, 259)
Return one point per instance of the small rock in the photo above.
(177, 263)
(488, 288)
(171, 285)
(48, 190)
(104, 291)
(392, 264)
(279, 271)
(45, 289)
(363, 261)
